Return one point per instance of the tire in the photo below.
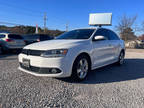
(1, 51)
(121, 58)
(81, 68)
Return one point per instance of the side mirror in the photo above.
(97, 38)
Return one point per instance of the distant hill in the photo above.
(28, 30)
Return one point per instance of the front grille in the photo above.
(39, 70)
(32, 52)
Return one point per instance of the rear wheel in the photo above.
(121, 58)
(80, 69)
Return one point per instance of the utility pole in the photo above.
(36, 29)
(45, 19)
(66, 27)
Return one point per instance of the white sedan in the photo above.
(73, 54)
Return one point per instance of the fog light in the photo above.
(49, 70)
(53, 70)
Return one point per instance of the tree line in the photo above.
(29, 30)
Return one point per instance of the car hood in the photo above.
(54, 44)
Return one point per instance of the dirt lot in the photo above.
(108, 87)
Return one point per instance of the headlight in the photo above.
(55, 53)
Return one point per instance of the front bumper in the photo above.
(39, 66)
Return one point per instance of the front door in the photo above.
(102, 49)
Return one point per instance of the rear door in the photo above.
(115, 44)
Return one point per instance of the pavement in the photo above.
(108, 87)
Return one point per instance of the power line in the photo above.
(32, 12)
(1, 22)
(20, 8)
(29, 13)
(24, 13)
(35, 16)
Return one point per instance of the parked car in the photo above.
(10, 41)
(29, 39)
(73, 54)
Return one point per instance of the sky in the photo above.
(74, 12)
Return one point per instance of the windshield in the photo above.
(77, 34)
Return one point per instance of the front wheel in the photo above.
(80, 69)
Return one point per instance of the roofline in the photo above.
(95, 28)
(4, 33)
(84, 28)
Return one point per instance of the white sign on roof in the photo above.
(100, 19)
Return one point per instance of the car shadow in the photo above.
(7, 56)
(132, 69)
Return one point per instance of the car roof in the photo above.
(36, 35)
(94, 28)
(5, 33)
(10, 33)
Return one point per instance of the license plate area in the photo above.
(26, 62)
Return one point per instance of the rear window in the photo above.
(31, 37)
(45, 37)
(15, 36)
(113, 36)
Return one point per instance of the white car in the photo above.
(73, 54)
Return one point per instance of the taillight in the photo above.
(38, 40)
(8, 40)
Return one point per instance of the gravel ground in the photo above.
(108, 87)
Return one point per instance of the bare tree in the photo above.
(141, 37)
(125, 27)
(125, 22)
(142, 26)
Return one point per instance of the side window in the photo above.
(2, 36)
(102, 32)
(51, 37)
(43, 37)
(113, 36)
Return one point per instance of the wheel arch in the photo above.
(86, 54)
(122, 50)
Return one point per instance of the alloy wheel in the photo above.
(121, 58)
(82, 68)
